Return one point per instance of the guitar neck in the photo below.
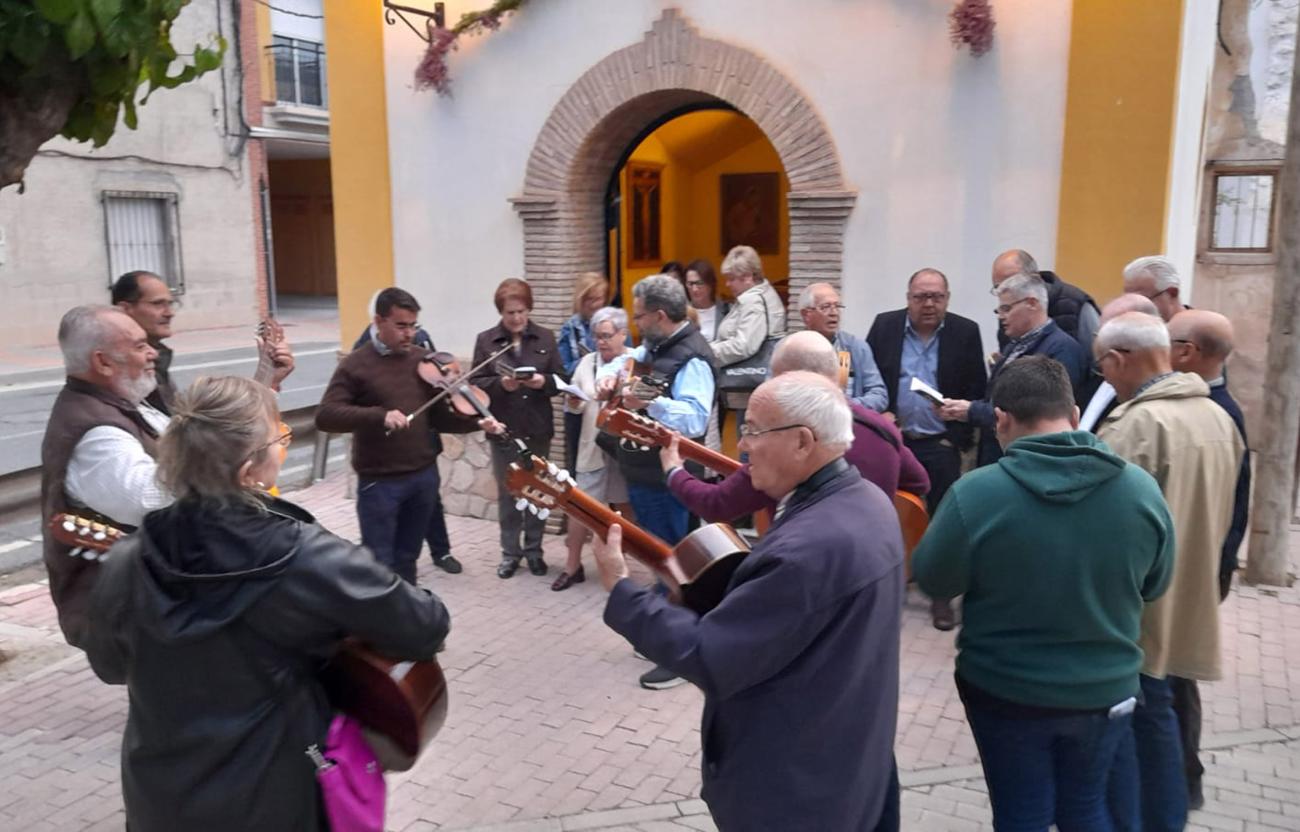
(638, 543)
(707, 457)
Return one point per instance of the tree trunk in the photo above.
(1270, 534)
(29, 118)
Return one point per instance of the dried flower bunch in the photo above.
(971, 23)
(432, 70)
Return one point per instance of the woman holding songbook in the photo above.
(217, 614)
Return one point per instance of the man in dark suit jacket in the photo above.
(1022, 310)
(945, 351)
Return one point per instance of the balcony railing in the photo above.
(299, 72)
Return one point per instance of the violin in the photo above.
(441, 371)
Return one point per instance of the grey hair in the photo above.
(611, 314)
(743, 260)
(1023, 285)
(662, 292)
(1160, 269)
(83, 331)
(1133, 331)
(806, 351)
(809, 399)
(217, 425)
(806, 297)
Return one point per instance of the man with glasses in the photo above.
(798, 663)
(1167, 425)
(148, 300)
(925, 341)
(1156, 279)
(1073, 309)
(820, 307)
(370, 395)
(1022, 311)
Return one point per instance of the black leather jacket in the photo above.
(217, 619)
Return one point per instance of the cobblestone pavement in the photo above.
(549, 731)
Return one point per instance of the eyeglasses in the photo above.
(747, 432)
(162, 303)
(605, 336)
(283, 440)
(928, 297)
(828, 308)
(695, 284)
(1007, 307)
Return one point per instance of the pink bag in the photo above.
(351, 779)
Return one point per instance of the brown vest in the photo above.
(79, 407)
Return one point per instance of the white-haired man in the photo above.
(799, 661)
(97, 456)
(1073, 309)
(820, 307)
(1167, 425)
(1155, 278)
(1022, 311)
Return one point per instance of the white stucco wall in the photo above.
(954, 158)
(55, 253)
(300, 19)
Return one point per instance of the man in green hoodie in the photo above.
(1049, 675)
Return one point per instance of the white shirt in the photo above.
(110, 472)
(708, 319)
(1096, 406)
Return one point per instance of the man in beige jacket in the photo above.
(1167, 424)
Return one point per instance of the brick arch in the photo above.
(577, 148)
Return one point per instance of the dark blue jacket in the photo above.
(1052, 342)
(1241, 499)
(798, 664)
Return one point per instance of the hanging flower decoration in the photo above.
(971, 23)
(432, 70)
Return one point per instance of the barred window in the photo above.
(142, 231)
(1243, 211)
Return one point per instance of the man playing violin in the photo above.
(798, 663)
(683, 364)
(395, 456)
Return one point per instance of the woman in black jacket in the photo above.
(217, 615)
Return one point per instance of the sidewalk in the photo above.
(548, 729)
(306, 320)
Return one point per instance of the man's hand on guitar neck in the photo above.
(670, 456)
(609, 557)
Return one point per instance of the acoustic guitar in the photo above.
(696, 571)
(646, 432)
(404, 703)
(914, 520)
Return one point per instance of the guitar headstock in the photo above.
(633, 427)
(91, 539)
(541, 486)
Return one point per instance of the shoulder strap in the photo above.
(877, 430)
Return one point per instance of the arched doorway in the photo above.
(581, 144)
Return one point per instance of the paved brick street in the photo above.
(549, 730)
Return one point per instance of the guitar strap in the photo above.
(877, 430)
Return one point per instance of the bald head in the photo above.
(1012, 262)
(1201, 341)
(806, 351)
(1127, 303)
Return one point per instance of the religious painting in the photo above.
(644, 185)
(751, 208)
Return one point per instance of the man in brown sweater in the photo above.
(395, 457)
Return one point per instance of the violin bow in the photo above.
(452, 385)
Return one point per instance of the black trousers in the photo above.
(941, 460)
(1187, 707)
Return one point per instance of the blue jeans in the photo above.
(394, 516)
(658, 512)
(1148, 788)
(436, 534)
(1042, 770)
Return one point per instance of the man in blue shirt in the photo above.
(820, 307)
(684, 373)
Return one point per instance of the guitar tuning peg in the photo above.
(521, 504)
(543, 514)
(89, 554)
(563, 476)
(99, 535)
(552, 470)
(68, 525)
(532, 508)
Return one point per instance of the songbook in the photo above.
(927, 391)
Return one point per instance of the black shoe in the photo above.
(941, 614)
(507, 567)
(566, 580)
(448, 564)
(536, 565)
(660, 678)
(1195, 796)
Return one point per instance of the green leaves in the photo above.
(108, 48)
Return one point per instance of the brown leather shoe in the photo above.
(941, 614)
(566, 580)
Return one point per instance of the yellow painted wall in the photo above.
(363, 222)
(1119, 121)
(696, 150)
(266, 61)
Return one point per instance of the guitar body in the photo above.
(708, 557)
(403, 702)
(913, 519)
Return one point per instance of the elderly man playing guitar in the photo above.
(799, 661)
